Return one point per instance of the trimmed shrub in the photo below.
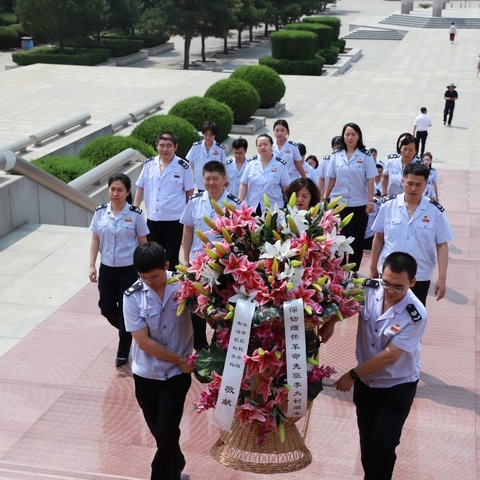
(265, 80)
(239, 95)
(118, 46)
(101, 149)
(63, 167)
(154, 39)
(333, 22)
(198, 110)
(72, 56)
(323, 32)
(7, 19)
(184, 130)
(330, 54)
(18, 27)
(8, 38)
(293, 45)
(294, 67)
(340, 44)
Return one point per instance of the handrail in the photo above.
(60, 128)
(15, 164)
(140, 112)
(19, 145)
(106, 168)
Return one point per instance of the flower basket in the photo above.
(267, 286)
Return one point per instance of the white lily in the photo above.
(298, 216)
(278, 250)
(292, 274)
(243, 295)
(210, 275)
(341, 242)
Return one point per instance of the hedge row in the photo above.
(118, 47)
(8, 38)
(71, 56)
(295, 67)
(323, 32)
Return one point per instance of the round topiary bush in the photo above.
(330, 55)
(184, 130)
(265, 80)
(65, 168)
(101, 149)
(198, 110)
(340, 44)
(8, 38)
(239, 95)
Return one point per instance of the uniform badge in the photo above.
(425, 219)
(176, 175)
(359, 160)
(395, 328)
(274, 170)
(128, 219)
(288, 151)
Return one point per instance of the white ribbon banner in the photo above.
(296, 352)
(234, 364)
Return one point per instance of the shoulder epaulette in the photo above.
(370, 282)
(440, 207)
(136, 286)
(416, 159)
(196, 195)
(135, 209)
(393, 155)
(292, 143)
(233, 198)
(229, 161)
(149, 159)
(197, 143)
(220, 145)
(412, 310)
(253, 158)
(281, 160)
(102, 206)
(184, 163)
(390, 197)
(328, 157)
(366, 151)
(377, 201)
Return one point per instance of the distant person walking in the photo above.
(450, 96)
(420, 128)
(452, 32)
(478, 65)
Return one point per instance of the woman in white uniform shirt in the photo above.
(351, 174)
(287, 150)
(264, 173)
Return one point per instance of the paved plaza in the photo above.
(65, 411)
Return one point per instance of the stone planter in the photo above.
(271, 112)
(158, 49)
(255, 124)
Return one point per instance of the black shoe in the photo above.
(119, 361)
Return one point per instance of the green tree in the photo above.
(247, 15)
(60, 20)
(124, 14)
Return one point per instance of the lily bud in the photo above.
(348, 266)
(281, 432)
(217, 207)
(200, 288)
(346, 220)
(275, 267)
(219, 248)
(229, 315)
(226, 235)
(230, 206)
(261, 351)
(254, 239)
(268, 218)
(211, 253)
(314, 210)
(276, 235)
(339, 208)
(295, 263)
(293, 200)
(292, 225)
(278, 354)
(201, 236)
(181, 268)
(322, 280)
(216, 267)
(266, 200)
(302, 251)
(173, 279)
(308, 309)
(334, 202)
(209, 222)
(180, 308)
(312, 361)
(290, 286)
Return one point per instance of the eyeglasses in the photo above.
(153, 279)
(393, 288)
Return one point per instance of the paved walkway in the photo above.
(67, 413)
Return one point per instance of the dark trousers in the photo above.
(381, 414)
(112, 282)
(162, 406)
(199, 332)
(356, 228)
(422, 140)
(420, 289)
(169, 235)
(448, 111)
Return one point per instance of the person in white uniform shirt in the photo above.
(432, 185)
(165, 185)
(287, 150)
(351, 175)
(200, 206)
(236, 165)
(420, 128)
(310, 171)
(390, 329)
(325, 163)
(204, 151)
(411, 222)
(265, 173)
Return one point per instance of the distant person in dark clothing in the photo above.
(451, 96)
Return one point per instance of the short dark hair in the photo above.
(399, 262)
(407, 139)
(360, 145)
(416, 169)
(423, 109)
(372, 150)
(302, 149)
(314, 158)
(214, 167)
(127, 183)
(149, 256)
(301, 182)
(266, 135)
(170, 136)
(240, 143)
(336, 141)
(283, 123)
(212, 126)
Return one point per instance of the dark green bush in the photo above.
(294, 67)
(101, 149)
(333, 22)
(198, 110)
(184, 130)
(154, 39)
(330, 54)
(265, 80)
(63, 167)
(7, 19)
(18, 27)
(293, 45)
(71, 56)
(340, 44)
(8, 38)
(239, 95)
(119, 47)
(323, 32)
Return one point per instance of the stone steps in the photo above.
(366, 33)
(422, 21)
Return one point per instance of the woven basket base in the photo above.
(237, 449)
